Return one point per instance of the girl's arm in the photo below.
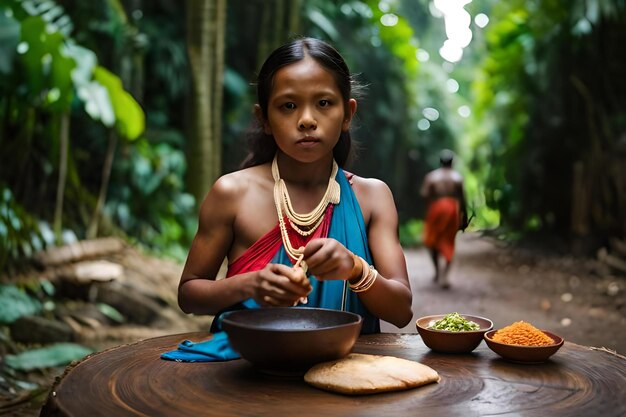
(389, 298)
(199, 291)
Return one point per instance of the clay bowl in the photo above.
(452, 342)
(289, 340)
(524, 354)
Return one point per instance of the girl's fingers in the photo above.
(269, 287)
(282, 285)
(269, 301)
(313, 246)
(331, 261)
(297, 276)
(297, 280)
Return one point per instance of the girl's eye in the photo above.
(289, 106)
(324, 103)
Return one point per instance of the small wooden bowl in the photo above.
(524, 354)
(452, 342)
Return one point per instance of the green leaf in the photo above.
(235, 83)
(323, 23)
(61, 75)
(15, 304)
(130, 118)
(47, 287)
(111, 312)
(54, 355)
(9, 39)
(94, 95)
(33, 37)
(86, 61)
(582, 27)
(97, 102)
(45, 65)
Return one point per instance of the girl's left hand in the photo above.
(328, 259)
(279, 285)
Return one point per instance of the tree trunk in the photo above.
(580, 201)
(278, 36)
(263, 46)
(218, 87)
(206, 23)
(294, 18)
(280, 20)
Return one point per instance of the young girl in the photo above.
(294, 229)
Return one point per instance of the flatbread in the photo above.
(369, 374)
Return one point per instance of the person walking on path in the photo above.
(446, 213)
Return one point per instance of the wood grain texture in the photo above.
(132, 380)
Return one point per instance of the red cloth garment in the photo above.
(263, 250)
(343, 222)
(442, 223)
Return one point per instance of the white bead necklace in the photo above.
(304, 224)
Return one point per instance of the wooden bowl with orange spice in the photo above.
(523, 343)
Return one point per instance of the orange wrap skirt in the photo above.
(442, 223)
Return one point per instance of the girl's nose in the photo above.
(307, 122)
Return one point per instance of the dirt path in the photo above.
(575, 298)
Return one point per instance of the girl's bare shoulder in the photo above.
(370, 187)
(374, 196)
(236, 184)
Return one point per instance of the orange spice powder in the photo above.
(522, 333)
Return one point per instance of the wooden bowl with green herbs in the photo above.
(454, 332)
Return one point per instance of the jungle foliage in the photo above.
(96, 123)
(549, 95)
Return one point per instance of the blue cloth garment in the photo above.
(216, 349)
(348, 227)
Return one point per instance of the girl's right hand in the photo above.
(279, 285)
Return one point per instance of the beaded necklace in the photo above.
(304, 224)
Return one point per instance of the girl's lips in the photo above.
(308, 141)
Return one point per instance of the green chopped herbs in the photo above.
(454, 322)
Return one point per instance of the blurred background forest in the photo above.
(116, 116)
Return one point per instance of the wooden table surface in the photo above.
(132, 380)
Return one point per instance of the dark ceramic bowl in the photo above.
(452, 342)
(524, 354)
(289, 340)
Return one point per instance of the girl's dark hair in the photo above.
(262, 147)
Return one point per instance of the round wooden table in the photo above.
(132, 380)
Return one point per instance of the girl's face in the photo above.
(306, 112)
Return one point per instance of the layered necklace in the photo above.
(304, 224)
